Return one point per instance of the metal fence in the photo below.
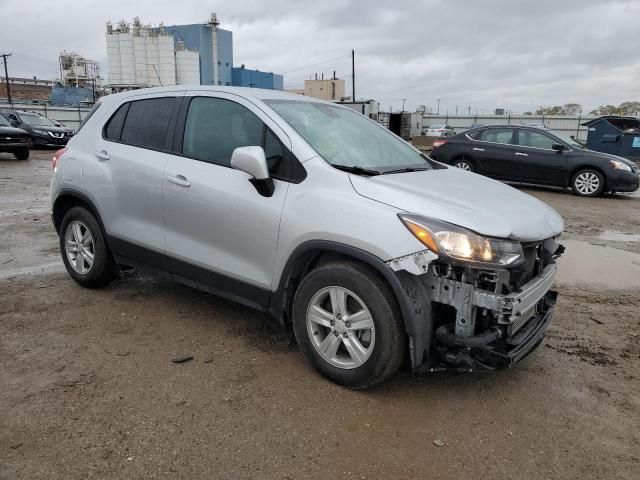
(69, 116)
(568, 125)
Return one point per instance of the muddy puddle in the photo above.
(584, 263)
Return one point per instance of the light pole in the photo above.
(438, 112)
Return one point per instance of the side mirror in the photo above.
(14, 123)
(558, 147)
(252, 160)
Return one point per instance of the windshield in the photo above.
(35, 120)
(346, 138)
(4, 122)
(567, 139)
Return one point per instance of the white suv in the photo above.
(373, 253)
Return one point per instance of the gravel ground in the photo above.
(89, 389)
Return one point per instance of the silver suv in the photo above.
(374, 254)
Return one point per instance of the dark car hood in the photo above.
(478, 203)
(50, 129)
(12, 131)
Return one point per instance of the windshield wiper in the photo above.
(406, 169)
(357, 170)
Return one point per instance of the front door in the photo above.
(218, 228)
(537, 160)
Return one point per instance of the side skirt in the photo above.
(194, 276)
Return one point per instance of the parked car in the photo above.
(440, 131)
(14, 140)
(370, 251)
(537, 156)
(43, 132)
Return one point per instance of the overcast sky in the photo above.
(515, 54)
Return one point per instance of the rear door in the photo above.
(493, 152)
(536, 159)
(125, 175)
(219, 229)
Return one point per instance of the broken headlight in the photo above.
(462, 245)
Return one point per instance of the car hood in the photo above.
(465, 199)
(12, 131)
(50, 129)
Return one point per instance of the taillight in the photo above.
(441, 130)
(439, 143)
(56, 157)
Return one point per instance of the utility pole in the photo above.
(353, 76)
(469, 107)
(6, 77)
(438, 112)
(457, 109)
(403, 100)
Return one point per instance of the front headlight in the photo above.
(462, 245)
(618, 165)
(40, 132)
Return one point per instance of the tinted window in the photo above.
(529, 138)
(114, 126)
(215, 127)
(496, 135)
(147, 121)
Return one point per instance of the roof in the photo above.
(246, 92)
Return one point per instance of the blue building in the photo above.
(199, 37)
(244, 77)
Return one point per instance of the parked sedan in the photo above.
(43, 132)
(538, 156)
(14, 140)
(440, 131)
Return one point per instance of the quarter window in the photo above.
(215, 127)
(529, 138)
(147, 122)
(496, 135)
(113, 130)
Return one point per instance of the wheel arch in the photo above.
(67, 199)
(314, 253)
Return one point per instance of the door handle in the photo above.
(522, 154)
(476, 149)
(180, 180)
(102, 155)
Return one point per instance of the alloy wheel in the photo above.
(340, 327)
(462, 165)
(587, 183)
(79, 247)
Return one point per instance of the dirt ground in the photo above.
(88, 388)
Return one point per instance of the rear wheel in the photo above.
(588, 183)
(84, 251)
(347, 325)
(21, 153)
(464, 164)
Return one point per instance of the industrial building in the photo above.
(142, 56)
(331, 89)
(78, 82)
(31, 89)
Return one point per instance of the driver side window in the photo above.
(529, 138)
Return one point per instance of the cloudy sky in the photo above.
(516, 54)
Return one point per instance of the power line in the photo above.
(316, 64)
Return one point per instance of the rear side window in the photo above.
(113, 129)
(147, 121)
(496, 135)
(215, 127)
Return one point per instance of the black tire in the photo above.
(21, 153)
(464, 164)
(581, 187)
(389, 347)
(104, 268)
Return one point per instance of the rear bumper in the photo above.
(7, 147)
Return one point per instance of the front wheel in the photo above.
(85, 253)
(588, 183)
(347, 325)
(463, 164)
(21, 153)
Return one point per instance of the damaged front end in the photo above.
(472, 317)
